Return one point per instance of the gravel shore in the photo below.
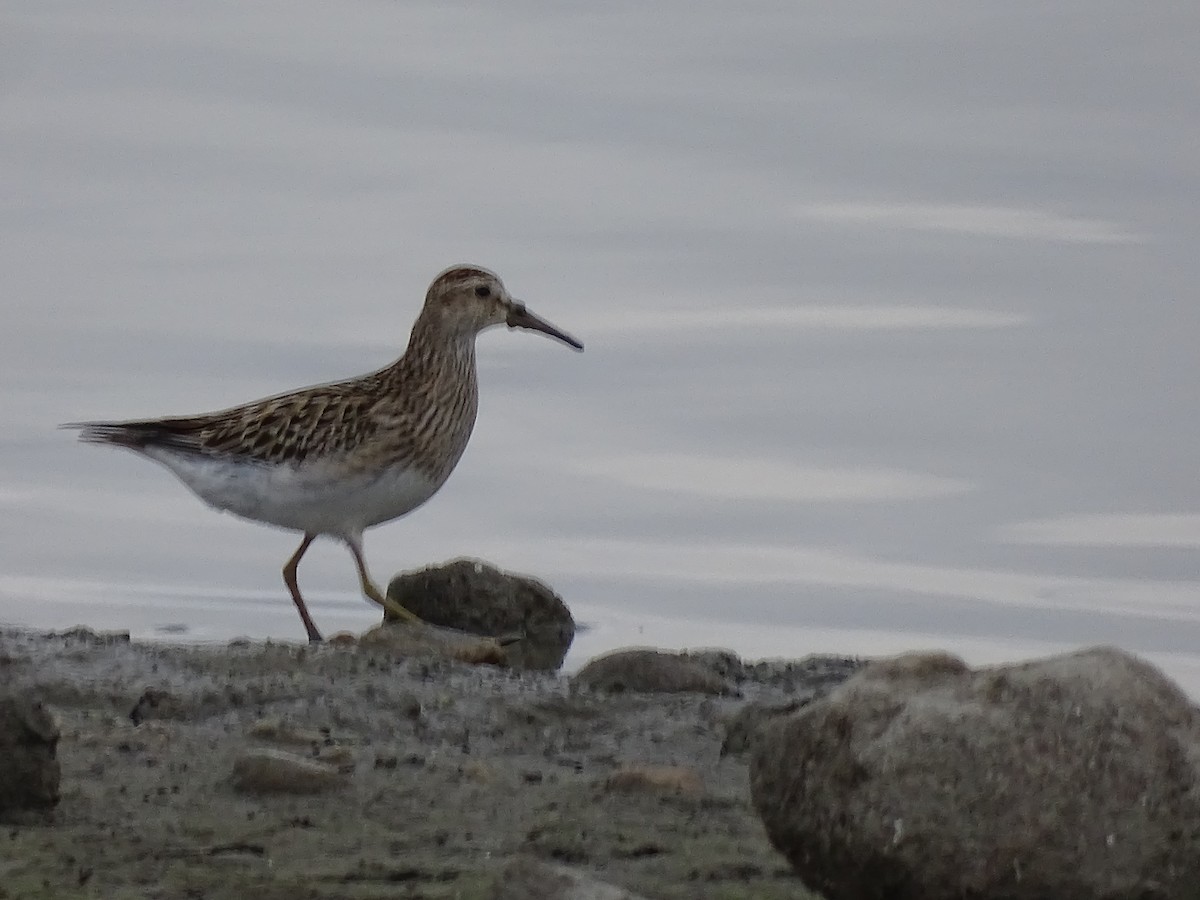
(265, 770)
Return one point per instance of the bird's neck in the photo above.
(435, 356)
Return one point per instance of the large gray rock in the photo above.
(1070, 778)
(29, 769)
(472, 596)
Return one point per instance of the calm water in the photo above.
(890, 312)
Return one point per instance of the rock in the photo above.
(655, 780)
(279, 772)
(29, 769)
(428, 640)
(649, 671)
(744, 726)
(529, 879)
(472, 596)
(1069, 778)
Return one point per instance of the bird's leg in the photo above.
(289, 578)
(374, 593)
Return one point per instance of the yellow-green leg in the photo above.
(372, 592)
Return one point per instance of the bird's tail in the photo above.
(134, 435)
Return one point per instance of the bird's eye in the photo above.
(483, 291)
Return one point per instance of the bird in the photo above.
(336, 459)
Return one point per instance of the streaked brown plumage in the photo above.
(338, 458)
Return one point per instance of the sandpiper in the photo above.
(335, 459)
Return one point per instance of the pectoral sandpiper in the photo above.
(337, 458)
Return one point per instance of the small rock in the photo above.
(655, 780)
(526, 878)
(1073, 777)
(428, 640)
(29, 769)
(649, 671)
(272, 771)
(472, 596)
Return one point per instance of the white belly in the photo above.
(312, 498)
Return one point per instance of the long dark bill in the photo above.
(520, 317)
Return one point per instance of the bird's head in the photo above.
(468, 299)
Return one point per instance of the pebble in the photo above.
(269, 771)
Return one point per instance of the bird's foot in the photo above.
(392, 611)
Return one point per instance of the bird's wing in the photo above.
(287, 428)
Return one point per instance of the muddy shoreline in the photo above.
(432, 776)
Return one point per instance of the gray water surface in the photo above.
(890, 310)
